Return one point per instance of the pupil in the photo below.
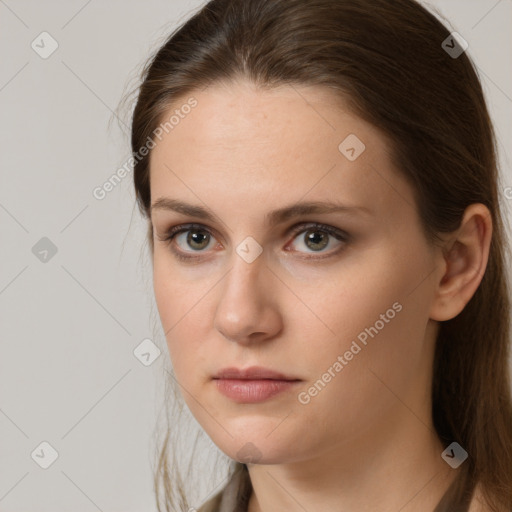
(195, 237)
(319, 241)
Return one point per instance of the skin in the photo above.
(366, 440)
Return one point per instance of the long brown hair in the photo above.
(386, 58)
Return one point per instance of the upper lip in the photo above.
(252, 373)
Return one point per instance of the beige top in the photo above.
(234, 497)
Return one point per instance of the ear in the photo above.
(462, 262)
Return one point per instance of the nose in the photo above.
(248, 311)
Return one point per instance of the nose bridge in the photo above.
(244, 307)
(241, 293)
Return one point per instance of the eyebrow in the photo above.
(272, 218)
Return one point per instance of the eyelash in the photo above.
(296, 230)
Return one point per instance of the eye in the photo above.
(189, 238)
(195, 238)
(316, 237)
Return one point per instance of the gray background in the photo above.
(70, 324)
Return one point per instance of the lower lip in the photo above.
(251, 391)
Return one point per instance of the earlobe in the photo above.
(464, 259)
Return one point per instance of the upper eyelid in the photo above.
(303, 224)
(295, 229)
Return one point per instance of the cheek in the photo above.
(358, 391)
(376, 314)
(343, 306)
(382, 293)
(179, 308)
(176, 295)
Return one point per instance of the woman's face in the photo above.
(342, 307)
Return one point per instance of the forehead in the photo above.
(255, 150)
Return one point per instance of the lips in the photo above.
(254, 384)
(253, 373)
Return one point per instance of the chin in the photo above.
(255, 442)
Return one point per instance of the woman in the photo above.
(322, 197)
